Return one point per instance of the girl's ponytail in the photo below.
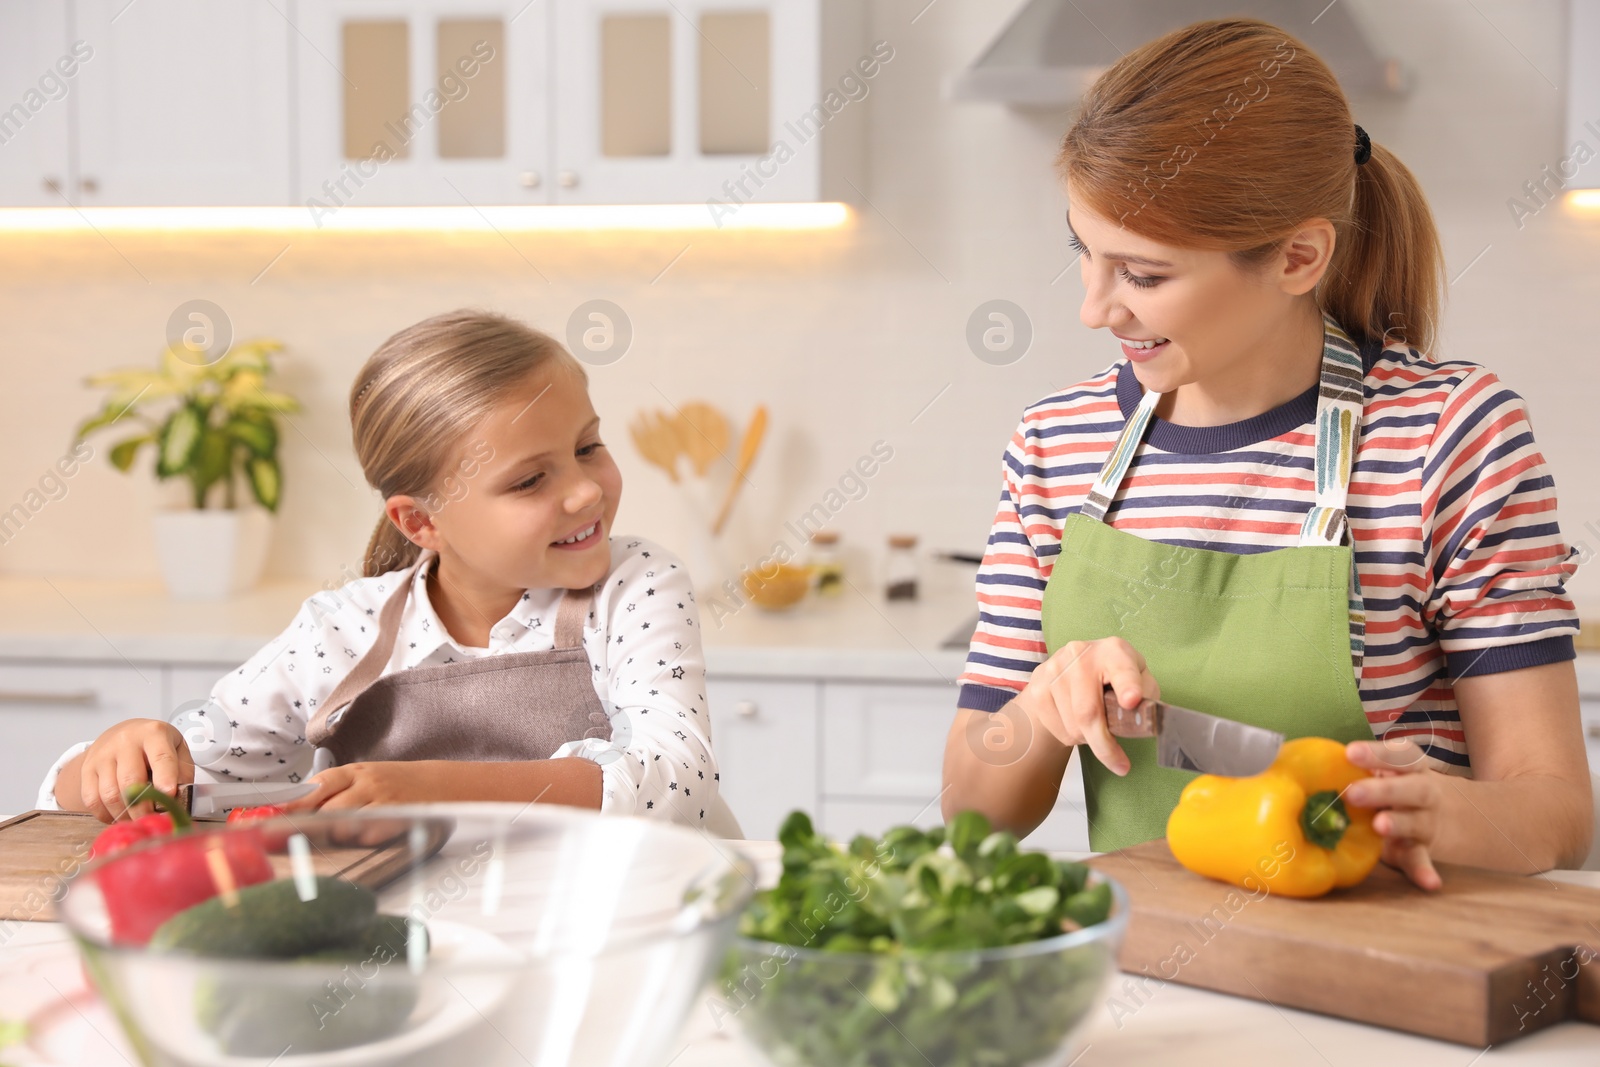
(419, 396)
(388, 550)
(1387, 272)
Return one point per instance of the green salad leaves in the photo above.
(892, 925)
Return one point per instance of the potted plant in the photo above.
(211, 423)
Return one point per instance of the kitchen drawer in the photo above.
(45, 709)
(885, 740)
(1066, 830)
(888, 741)
(765, 738)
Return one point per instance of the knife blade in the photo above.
(1189, 740)
(202, 799)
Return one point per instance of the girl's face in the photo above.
(530, 498)
(1214, 323)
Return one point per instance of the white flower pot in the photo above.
(214, 553)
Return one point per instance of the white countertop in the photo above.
(40, 980)
(857, 635)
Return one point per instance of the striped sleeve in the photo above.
(1009, 640)
(1497, 562)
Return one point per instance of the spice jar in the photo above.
(827, 569)
(901, 569)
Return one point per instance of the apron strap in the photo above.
(1106, 483)
(570, 616)
(370, 667)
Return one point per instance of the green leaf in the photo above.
(967, 830)
(123, 452)
(212, 460)
(1040, 900)
(180, 440)
(255, 431)
(265, 481)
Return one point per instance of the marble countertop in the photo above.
(40, 981)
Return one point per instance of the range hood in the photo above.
(1053, 50)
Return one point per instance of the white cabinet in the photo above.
(695, 101)
(883, 763)
(183, 102)
(580, 101)
(424, 102)
(40, 71)
(44, 709)
(766, 737)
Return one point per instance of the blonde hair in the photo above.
(420, 394)
(1230, 134)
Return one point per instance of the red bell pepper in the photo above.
(145, 889)
(276, 841)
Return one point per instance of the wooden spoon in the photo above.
(747, 455)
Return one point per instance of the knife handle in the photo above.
(1139, 721)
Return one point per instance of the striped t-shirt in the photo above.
(1452, 512)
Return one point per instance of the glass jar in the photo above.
(827, 569)
(900, 572)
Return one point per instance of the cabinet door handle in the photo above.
(746, 709)
(89, 185)
(51, 185)
(1593, 730)
(568, 179)
(80, 697)
(530, 179)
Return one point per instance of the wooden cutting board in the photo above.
(39, 850)
(1484, 960)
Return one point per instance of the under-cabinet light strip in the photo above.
(562, 217)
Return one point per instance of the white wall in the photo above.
(846, 335)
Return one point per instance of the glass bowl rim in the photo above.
(730, 866)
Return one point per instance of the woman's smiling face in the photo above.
(1221, 325)
(535, 476)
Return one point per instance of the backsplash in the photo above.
(856, 339)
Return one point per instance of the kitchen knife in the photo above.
(215, 798)
(1189, 740)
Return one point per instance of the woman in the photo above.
(1276, 508)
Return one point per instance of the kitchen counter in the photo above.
(39, 977)
(857, 635)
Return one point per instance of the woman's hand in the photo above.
(366, 785)
(131, 753)
(1065, 694)
(1407, 798)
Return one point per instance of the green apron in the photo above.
(1273, 638)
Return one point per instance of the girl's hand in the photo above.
(1064, 695)
(1407, 796)
(131, 753)
(366, 785)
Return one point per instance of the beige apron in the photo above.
(519, 706)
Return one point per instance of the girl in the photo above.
(1183, 525)
(499, 628)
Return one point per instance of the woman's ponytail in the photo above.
(1387, 273)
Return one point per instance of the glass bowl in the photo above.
(515, 933)
(1002, 1007)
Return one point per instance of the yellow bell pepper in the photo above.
(1286, 830)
